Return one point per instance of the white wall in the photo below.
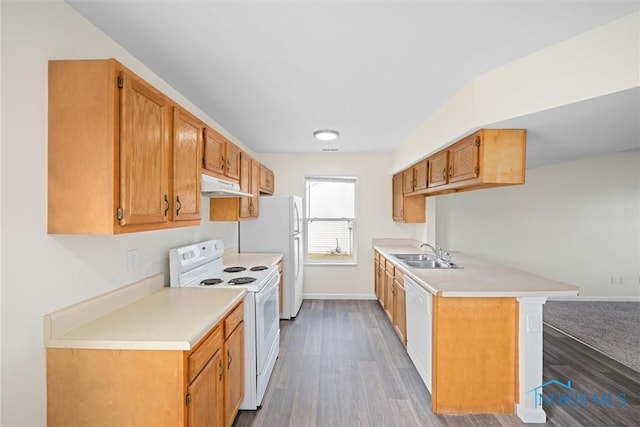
(605, 59)
(576, 222)
(40, 272)
(373, 209)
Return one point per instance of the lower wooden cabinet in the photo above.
(205, 395)
(389, 305)
(475, 355)
(473, 344)
(233, 364)
(200, 387)
(399, 307)
(389, 289)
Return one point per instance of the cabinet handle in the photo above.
(179, 205)
(444, 173)
(221, 369)
(451, 171)
(166, 208)
(228, 357)
(223, 163)
(228, 165)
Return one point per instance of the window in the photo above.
(330, 220)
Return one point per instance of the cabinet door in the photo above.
(187, 143)
(214, 152)
(144, 164)
(266, 180)
(205, 395)
(463, 159)
(382, 297)
(438, 169)
(398, 199)
(420, 176)
(234, 382)
(271, 181)
(389, 298)
(245, 184)
(400, 313)
(232, 161)
(255, 189)
(407, 181)
(376, 282)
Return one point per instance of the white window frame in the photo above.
(354, 220)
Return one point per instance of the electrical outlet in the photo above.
(132, 259)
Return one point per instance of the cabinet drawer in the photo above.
(233, 319)
(390, 268)
(201, 355)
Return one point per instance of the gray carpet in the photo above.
(613, 328)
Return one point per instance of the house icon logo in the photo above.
(538, 396)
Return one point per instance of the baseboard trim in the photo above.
(589, 298)
(340, 296)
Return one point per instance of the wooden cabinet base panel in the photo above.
(79, 394)
(224, 209)
(475, 366)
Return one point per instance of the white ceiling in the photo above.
(272, 72)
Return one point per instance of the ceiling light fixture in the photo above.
(326, 134)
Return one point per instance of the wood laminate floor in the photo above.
(341, 364)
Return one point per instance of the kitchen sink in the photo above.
(431, 263)
(423, 261)
(414, 257)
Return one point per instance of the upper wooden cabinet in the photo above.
(266, 180)
(438, 164)
(410, 209)
(187, 152)
(221, 156)
(240, 208)
(249, 183)
(414, 178)
(114, 163)
(397, 197)
(486, 158)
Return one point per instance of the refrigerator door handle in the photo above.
(296, 224)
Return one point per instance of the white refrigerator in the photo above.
(278, 228)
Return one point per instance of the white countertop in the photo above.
(230, 259)
(168, 319)
(477, 278)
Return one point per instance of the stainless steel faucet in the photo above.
(435, 252)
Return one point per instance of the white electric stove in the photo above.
(200, 265)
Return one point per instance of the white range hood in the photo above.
(216, 187)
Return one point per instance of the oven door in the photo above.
(267, 321)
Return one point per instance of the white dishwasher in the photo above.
(419, 328)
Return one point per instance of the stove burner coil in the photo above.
(242, 280)
(209, 282)
(234, 269)
(259, 268)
